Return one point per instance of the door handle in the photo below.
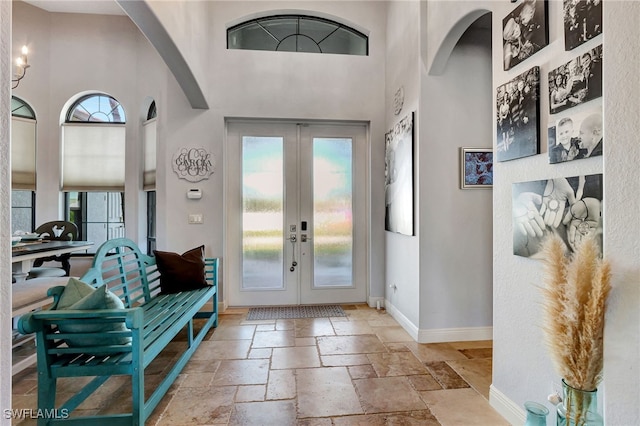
(304, 238)
(293, 239)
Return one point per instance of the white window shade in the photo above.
(23, 153)
(93, 157)
(149, 130)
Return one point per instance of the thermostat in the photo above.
(194, 194)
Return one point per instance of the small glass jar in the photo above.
(536, 414)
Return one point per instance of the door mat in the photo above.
(287, 312)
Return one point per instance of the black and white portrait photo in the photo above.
(518, 104)
(576, 136)
(576, 82)
(570, 207)
(399, 177)
(524, 32)
(582, 21)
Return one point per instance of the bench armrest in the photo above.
(35, 321)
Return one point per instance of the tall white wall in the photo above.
(258, 84)
(402, 276)
(622, 211)
(456, 224)
(5, 207)
(439, 282)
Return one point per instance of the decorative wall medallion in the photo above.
(192, 164)
(398, 101)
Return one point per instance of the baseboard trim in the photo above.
(408, 326)
(464, 334)
(439, 335)
(512, 412)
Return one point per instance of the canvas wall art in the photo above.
(577, 136)
(399, 177)
(476, 168)
(582, 21)
(576, 82)
(524, 32)
(518, 106)
(568, 206)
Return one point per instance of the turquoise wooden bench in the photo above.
(152, 320)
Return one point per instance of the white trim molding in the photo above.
(511, 411)
(439, 335)
(408, 326)
(463, 334)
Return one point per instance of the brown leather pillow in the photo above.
(181, 272)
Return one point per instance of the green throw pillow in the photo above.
(100, 298)
(73, 292)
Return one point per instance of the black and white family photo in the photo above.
(582, 21)
(576, 136)
(398, 171)
(524, 32)
(518, 104)
(570, 207)
(577, 81)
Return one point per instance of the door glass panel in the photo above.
(332, 212)
(262, 212)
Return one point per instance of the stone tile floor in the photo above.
(362, 369)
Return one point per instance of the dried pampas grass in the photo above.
(575, 296)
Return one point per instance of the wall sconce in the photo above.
(22, 65)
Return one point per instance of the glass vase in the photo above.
(536, 414)
(578, 407)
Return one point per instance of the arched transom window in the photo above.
(20, 108)
(297, 33)
(97, 109)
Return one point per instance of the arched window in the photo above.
(20, 108)
(297, 33)
(149, 132)
(93, 166)
(23, 165)
(93, 145)
(152, 113)
(96, 108)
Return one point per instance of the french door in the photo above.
(296, 214)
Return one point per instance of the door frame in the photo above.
(227, 245)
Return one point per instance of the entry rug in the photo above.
(287, 312)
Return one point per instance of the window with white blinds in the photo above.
(93, 157)
(23, 153)
(149, 131)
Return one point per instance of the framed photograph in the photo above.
(518, 106)
(582, 21)
(524, 32)
(576, 82)
(570, 207)
(399, 177)
(576, 136)
(476, 168)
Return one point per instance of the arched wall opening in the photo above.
(477, 19)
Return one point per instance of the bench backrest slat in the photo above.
(121, 265)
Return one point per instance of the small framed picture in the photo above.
(476, 168)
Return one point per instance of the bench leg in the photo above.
(137, 394)
(46, 396)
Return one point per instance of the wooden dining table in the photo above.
(24, 254)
